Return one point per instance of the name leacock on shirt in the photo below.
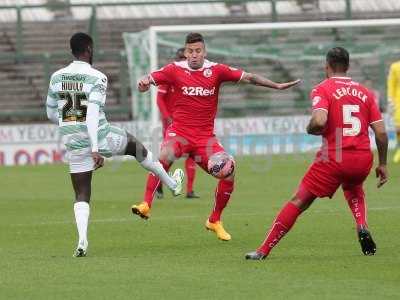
(341, 92)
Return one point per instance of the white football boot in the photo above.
(178, 177)
(81, 249)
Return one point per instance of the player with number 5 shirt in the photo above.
(343, 111)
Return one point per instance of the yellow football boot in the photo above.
(219, 230)
(142, 210)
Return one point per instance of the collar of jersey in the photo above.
(80, 62)
(184, 65)
(340, 77)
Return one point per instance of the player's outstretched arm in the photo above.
(144, 83)
(263, 81)
(318, 121)
(381, 140)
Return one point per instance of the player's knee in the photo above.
(167, 155)
(232, 176)
(222, 166)
(135, 148)
(302, 204)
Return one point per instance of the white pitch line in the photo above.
(121, 220)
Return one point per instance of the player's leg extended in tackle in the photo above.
(283, 222)
(171, 149)
(322, 180)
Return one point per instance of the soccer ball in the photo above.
(221, 165)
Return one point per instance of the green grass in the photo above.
(171, 256)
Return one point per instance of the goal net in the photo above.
(280, 51)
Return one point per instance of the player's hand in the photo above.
(144, 84)
(98, 160)
(382, 175)
(286, 85)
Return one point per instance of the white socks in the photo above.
(82, 211)
(156, 168)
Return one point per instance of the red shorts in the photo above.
(198, 148)
(324, 177)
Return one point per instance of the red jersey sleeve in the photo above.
(319, 99)
(161, 100)
(165, 75)
(227, 73)
(374, 113)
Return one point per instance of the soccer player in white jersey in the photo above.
(75, 101)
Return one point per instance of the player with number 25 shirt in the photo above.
(343, 111)
(75, 101)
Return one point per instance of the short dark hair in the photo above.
(338, 59)
(79, 43)
(194, 37)
(180, 54)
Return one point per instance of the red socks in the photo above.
(282, 224)
(190, 168)
(356, 200)
(152, 184)
(222, 196)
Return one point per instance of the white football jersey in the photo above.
(70, 90)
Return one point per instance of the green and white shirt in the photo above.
(71, 89)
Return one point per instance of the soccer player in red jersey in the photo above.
(343, 110)
(196, 83)
(165, 104)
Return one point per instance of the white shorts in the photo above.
(113, 144)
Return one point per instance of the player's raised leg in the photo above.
(283, 222)
(355, 197)
(170, 151)
(145, 158)
(82, 187)
(190, 168)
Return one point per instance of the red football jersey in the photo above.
(351, 110)
(165, 100)
(195, 94)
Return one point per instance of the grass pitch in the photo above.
(171, 256)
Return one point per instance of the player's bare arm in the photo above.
(317, 122)
(381, 140)
(259, 80)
